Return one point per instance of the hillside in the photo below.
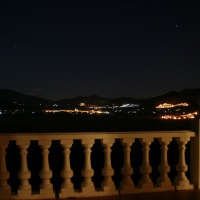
(11, 96)
(191, 96)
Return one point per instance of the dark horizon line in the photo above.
(110, 98)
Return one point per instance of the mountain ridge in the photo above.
(191, 96)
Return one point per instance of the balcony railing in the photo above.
(124, 155)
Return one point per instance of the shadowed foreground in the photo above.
(171, 195)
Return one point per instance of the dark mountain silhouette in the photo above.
(191, 96)
(10, 96)
(93, 99)
(125, 100)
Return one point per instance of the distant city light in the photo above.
(82, 104)
(76, 111)
(184, 116)
(129, 105)
(168, 105)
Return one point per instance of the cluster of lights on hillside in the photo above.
(175, 117)
(165, 111)
(127, 105)
(76, 111)
(178, 116)
(170, 113)
(168, 105)
(95, 109)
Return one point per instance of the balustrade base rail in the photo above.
(49, 165)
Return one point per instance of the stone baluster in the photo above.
(181, 181)
(67, 187)
(107, 170)
(145, 169)
(4, 174)
(45, 173)
(195, 154)
(87, 171)
(66, 172)
(24, 174)
(127, 184)
(164, 168)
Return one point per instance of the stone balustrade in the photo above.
(108, 185)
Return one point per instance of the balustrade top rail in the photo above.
(107, 140)
(95, 135)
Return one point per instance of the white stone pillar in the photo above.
(45, 173)
(24, 174)
(127, 185)
(4, 174)
(195, 154)
(107, 171)
(67, 187)
(87, 171)
(163, 181)
(66, 172)
(181, 181)
(146, 182)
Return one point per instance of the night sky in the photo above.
(62, 49)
